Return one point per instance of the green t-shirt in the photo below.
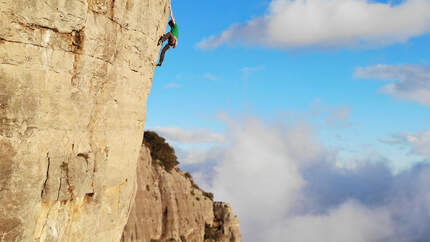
(175, 30)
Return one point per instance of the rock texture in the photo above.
(170, 207)
(226, 226)
(74, 79)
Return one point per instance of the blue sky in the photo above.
(305, 115)
(208, 82)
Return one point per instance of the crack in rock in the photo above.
(47, 176)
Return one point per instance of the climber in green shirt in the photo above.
(172, 36)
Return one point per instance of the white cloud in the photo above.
(197, 155)
(262, 159)
(419, 142)
(172, 85)
(329, 23)
(350, 222)
(413, 81)
(188, 136)
(285, 186)
(261, 176)
(201, 179)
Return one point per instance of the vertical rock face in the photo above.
(74, 79)
(170, 207)
(225, 226)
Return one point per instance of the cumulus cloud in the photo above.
(419, 142)
(350, 222)
(177, 134)
(329, 23)
(286, 186)
(413, 81)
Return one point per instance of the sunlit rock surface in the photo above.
(74, 79)
(170, 207)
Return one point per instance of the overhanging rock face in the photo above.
(74, 79)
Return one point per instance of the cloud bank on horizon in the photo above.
(286, 186)
(283, 182)
(329, 23)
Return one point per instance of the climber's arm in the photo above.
(171, 15)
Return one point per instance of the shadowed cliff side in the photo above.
(169, 206)
(74, 79)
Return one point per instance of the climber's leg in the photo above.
(163, 52)
(165, 37)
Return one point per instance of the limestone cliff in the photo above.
(74, 79)
(170, 207)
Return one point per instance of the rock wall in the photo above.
(170, 207)
(74, 79)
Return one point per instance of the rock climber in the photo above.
(172, 36)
